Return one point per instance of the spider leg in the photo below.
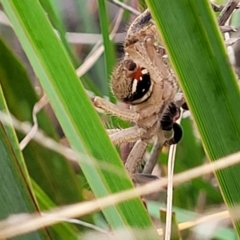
(169, 117)
(217, 8)
(113, 130)
(151, 162)
(169, 125)
(135, 157)
(142, 178)
(179, 100)
(108, 107)
(131, 134)
(126, 114)
(172, 134)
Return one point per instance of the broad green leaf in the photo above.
(19, 103)
(108, 46)
(74, 111)
(63, 230)
(44, 166)
(57, 23)
(15, 195)
(200, 61)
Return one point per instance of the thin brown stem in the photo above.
(227, 11)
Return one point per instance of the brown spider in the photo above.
(145, 81)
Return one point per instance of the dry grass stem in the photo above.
(171, 161)
(187, 225)
(36, 109)
(51, 144)
(21, 224)
(93, 57)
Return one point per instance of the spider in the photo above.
(145, 81)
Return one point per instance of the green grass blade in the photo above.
(15, 194)
(108, 46)
(57, 23)
(200, 61)
(109, 53)
(63, 230)
(74, 110)
(47, 172)
(19, 102)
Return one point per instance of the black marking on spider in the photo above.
(145, 19)
(141, 87)
(168, 123)
(169, 117)
(177, 134)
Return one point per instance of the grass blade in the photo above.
(15, 195)
(20, 104)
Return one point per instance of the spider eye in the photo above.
(141, 86)
(130, 65)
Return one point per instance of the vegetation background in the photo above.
(45, 46)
